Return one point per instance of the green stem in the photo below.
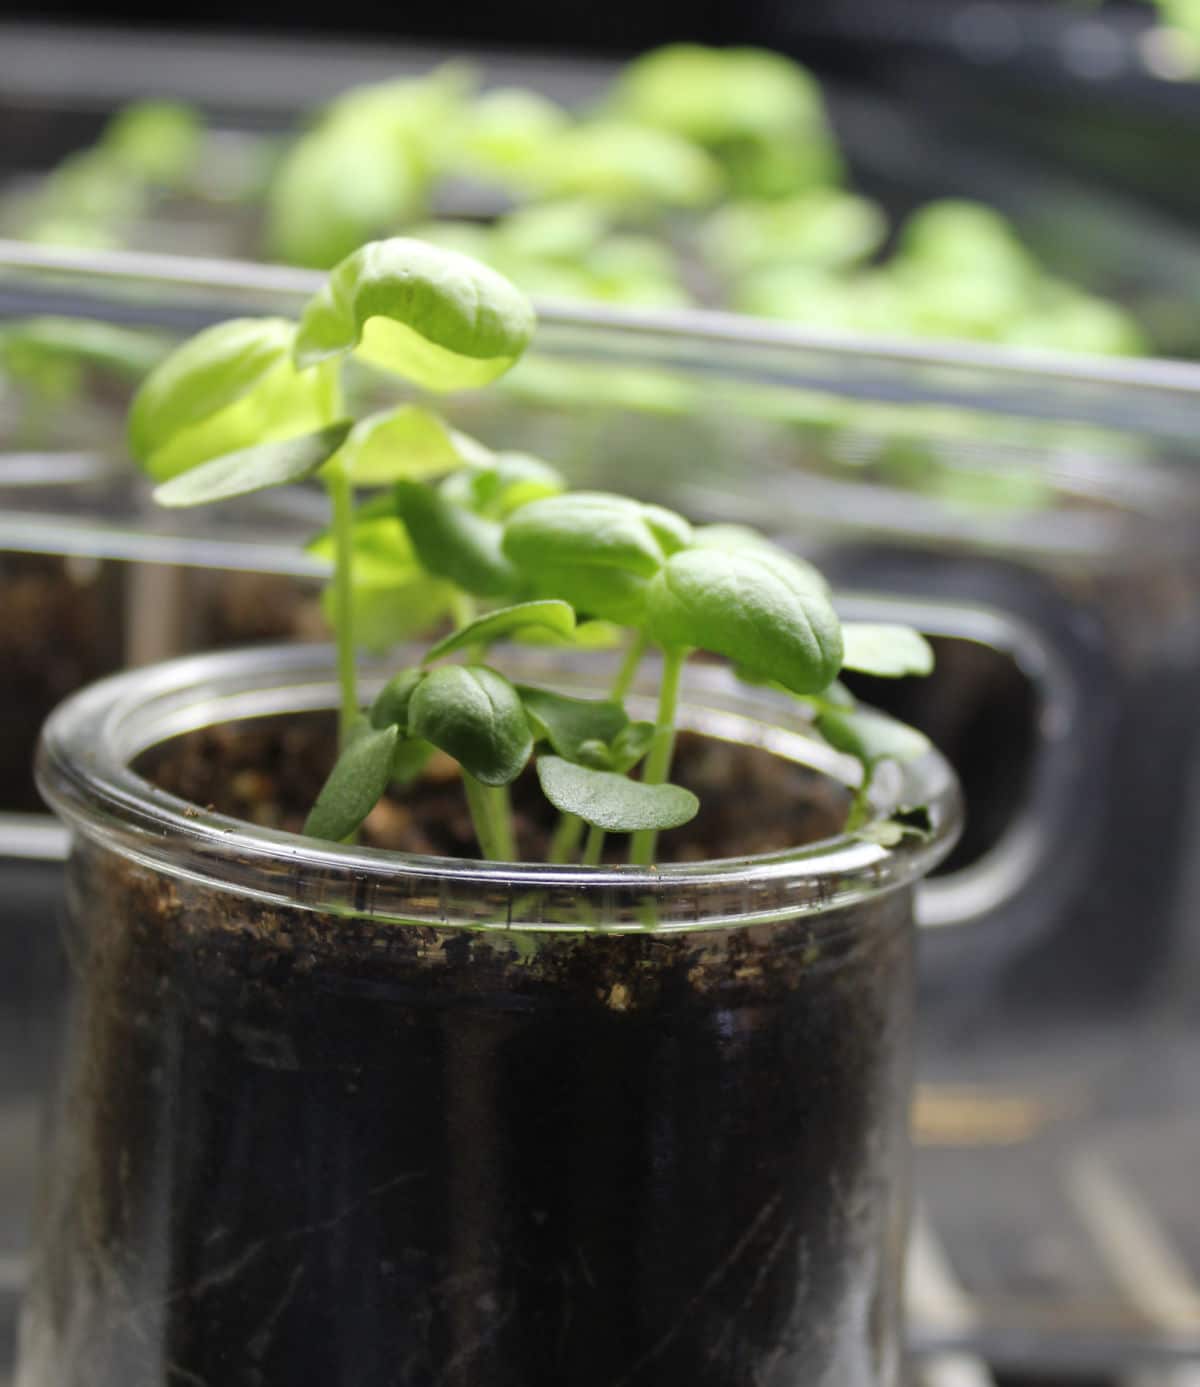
(629, 667)
(490, 834)
(502, 821)
(860, 805)
(594, 847)
(565, 842)
(658, 762)
(341, 494)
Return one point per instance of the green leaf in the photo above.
(253, 469)
(390, 707)
(386, 612)
(631, 744)
(406, 443)
(870, 737)
(567, 723)
(617, 163)
(553, 616)
(159, 141)
(475, 715)
(767, 615)
(613, 802)
(886, 650)
(593, 549)
(455, 543)
(505, 484)
(230, 387)
(128, 352)
(355, 785)
(411, 758)
(440, 319)
(734, 539)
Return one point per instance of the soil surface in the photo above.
(270, 771)
(297, 1148)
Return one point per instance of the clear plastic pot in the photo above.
(339, 1115)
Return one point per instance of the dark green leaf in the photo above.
(885, 650)
(475, 715)
(567, 723)
(455, 543)
(411, 758)
(253, 469)
(440, 319)
(613, 802)
(766, 615)
(870, 736)
(594, 550)
(355, 785)
(555, 617)
(631, 744)
(390, 708)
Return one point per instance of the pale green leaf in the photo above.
(455, 543)
(230, 387)
(883, 649)
(355, 785)
(440, 319)
(503, 484)
(869, 736)
(766, 615)
(553, 616)
(475, 715)
(407, 442)
(384, 613)
(253, 469)
(613, 802)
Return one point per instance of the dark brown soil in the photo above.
(296, 1148)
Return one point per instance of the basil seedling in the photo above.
(496, 546)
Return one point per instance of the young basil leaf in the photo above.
(594, 550)
(455, 543)
(613, 802)
(390, 706)
(337, 187)
(764, 615)
(405, 443)
(230, 387)
(475, 715)
(567, 723)
(411, 758)
(388, 611)
(440, 319)
(869, 736)
(735, 539)
(631, 744)
(553, 616)
(355, 785)
(253, 469)
(885, 650)
(508, 482)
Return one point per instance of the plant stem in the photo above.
(594, 847)
(629, 667)
(494, 842)
(502, 821)
(341, 494)
(658, 762)
(565, 842)
(860, 805)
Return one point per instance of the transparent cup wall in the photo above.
(1034, 515)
